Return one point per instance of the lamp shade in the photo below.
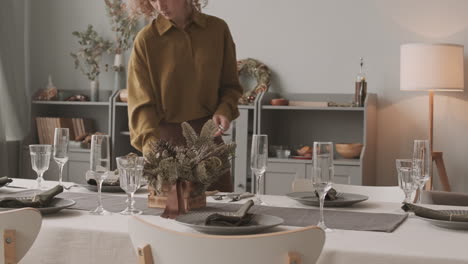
(431, 67)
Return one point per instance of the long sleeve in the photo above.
(143, 113)
(230, 89)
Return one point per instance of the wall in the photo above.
(312, 46)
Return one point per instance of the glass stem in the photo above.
(130, 201)
(99, 193)
(407, 197)
(420, 192)
(39, 179)
(61, 173)
(322, 201)
(258, 177)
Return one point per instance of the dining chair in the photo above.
(444, 198)
(20, 228)
(159, 245)
(375, 193)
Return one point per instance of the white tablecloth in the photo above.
(76, 237)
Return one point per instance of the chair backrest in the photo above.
(19, 228)
(173, 247)
(444, 198)
(375, 193)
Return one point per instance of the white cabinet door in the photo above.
(344, 174)
(280, 176)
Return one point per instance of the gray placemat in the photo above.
(301, 217)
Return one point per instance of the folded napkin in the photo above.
(4, 180)
(331, 195)
(239, 218)
(39, 200)
(434, 214)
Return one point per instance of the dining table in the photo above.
(75, 236)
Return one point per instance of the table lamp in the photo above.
(432, 68)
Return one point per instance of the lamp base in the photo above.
(437, 157)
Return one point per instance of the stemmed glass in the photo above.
(100, 166)
(259, 161)
(406, 180)
(130, 174)
(40, 159)
(61, 140)
(323, 174)
(422, 161)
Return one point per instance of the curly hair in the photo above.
(144, 7)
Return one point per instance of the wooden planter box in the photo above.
(159, 201)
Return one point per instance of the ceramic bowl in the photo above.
(349, 150)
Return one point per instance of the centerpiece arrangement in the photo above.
(178, 176)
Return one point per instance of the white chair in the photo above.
(158, 245)
(19, 228)
(375, 193)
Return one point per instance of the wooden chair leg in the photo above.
(439, 161)
(294, 258)
(9, 246)
(144, 255)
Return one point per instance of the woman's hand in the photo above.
(222, 123)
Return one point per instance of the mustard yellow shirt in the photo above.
(178, 75)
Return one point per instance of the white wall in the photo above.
(312, 46)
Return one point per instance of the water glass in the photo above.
(323, 174)
(259, 162)
(40, 159)
(100, 166)
(422, 161)
(61, 140)
(406, 179)
(130, 176)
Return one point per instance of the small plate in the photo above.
(342, 200)
(55, 205)
(258, 223)
(449, 224)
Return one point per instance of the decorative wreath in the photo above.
(257, 70)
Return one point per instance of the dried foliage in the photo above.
(124, 25)
(89, 55)
(201, 161)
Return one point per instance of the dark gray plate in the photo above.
(449, 224)
(343, 199)
(55, 205)
(258, 224)
(105, 188)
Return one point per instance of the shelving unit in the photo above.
(295, 126)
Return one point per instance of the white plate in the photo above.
(258, 224)
(448, 224)
(55, 206)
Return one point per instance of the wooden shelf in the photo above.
(348, 162)
(87, 103)
(275, 107)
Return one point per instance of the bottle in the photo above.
(360, 91)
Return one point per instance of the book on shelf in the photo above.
(46, 127)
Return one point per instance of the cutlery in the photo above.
(242, 196)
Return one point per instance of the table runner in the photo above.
(359, 221)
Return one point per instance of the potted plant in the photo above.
(186, 170)
(88, 57)
(125, 28)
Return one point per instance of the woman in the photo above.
(183, 68)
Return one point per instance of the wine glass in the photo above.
(130, 175)
(100, 166)
(422, 161)
(61, 140)
(323, 174)
(259, 161)
(406, 180)
(40, 159)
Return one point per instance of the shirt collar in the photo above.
(163, 25)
